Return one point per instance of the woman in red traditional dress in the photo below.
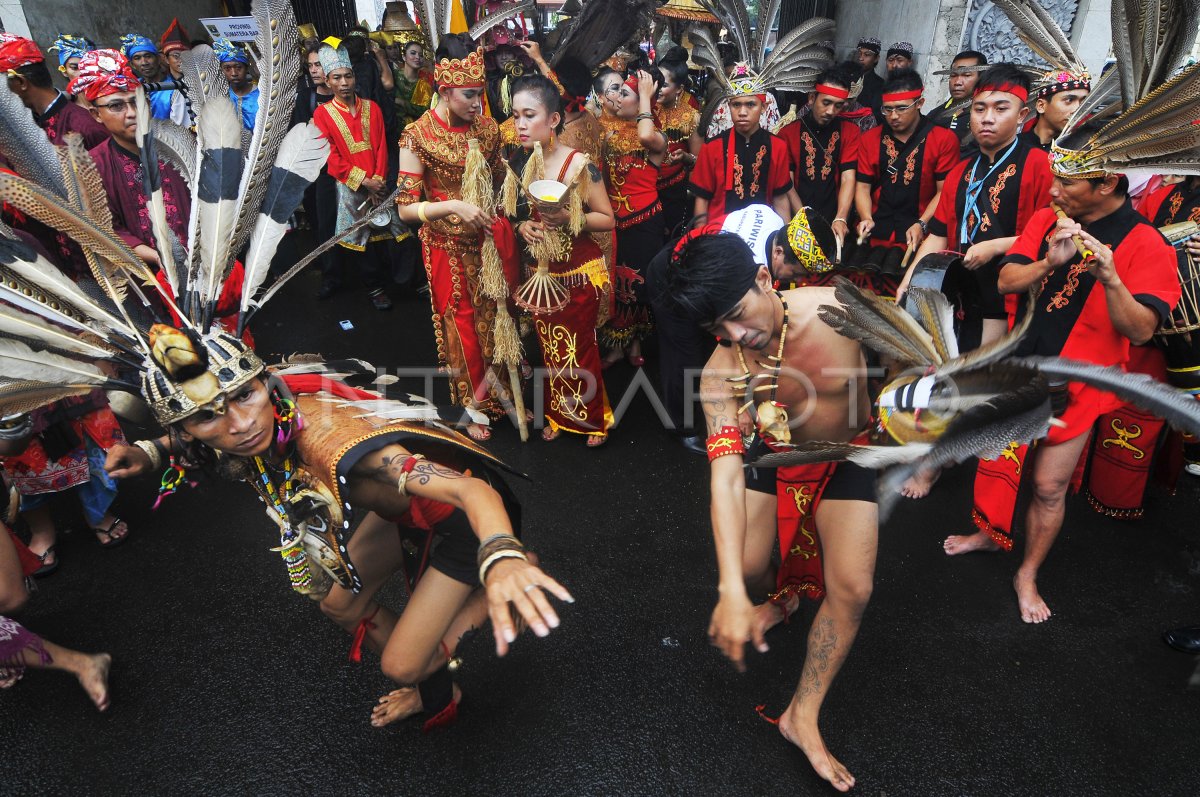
(574, 395)
(680, 122)
(634, 149)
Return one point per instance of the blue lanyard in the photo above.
(974, 189)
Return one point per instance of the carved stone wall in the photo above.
(989, 31)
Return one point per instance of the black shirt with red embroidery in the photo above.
(1071, 312)
(760, 172)
(1171, 204)
(904, 179)
(821, 158)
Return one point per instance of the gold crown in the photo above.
(744, 82)
(461, 73)
(181, 380)
(1076, 164)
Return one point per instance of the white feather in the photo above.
(41, 273)
(302, 153)
(19, 361)
(35, 328)
(155, 203)
(219, 129)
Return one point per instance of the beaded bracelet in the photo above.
(150, 448)
(507, 553)
(495, 543)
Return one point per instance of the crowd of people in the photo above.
(743, 205)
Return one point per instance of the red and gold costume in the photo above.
(463, 318)
(1071, 320)
(678, 123)
(574, 396)
(633, 189)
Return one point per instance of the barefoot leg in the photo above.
(438, 605)
(90, 669)
(848, 551)
(957, 544)
(376, 552)
(1052, 470)
(770, 614)
(919, 485)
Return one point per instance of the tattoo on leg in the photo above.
(822, 640)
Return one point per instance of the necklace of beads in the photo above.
(291, 543)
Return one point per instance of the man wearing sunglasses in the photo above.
(901, 166)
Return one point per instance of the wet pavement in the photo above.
(224, 682)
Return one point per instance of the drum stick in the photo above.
(907, 256)
(1087, 254)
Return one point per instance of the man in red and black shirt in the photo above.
(824, 152)
(989, 198)
(1089, 309)
(743, 166)
(901, 166)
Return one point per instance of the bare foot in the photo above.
(965, 543)
(479, 432)
(396, 705)
(93, 677)
(807, 737)
(768, 615)
(918, 486)
(550, 433)
(1033, 608)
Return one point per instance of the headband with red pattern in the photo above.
(103, 72)
(17, 51)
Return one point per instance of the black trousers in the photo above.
(683, 350)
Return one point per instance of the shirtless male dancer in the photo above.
(714, 279)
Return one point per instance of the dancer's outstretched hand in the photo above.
(524, 585)
(732, 626)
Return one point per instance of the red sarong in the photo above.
(798, 491)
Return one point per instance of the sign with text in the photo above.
(236, 29)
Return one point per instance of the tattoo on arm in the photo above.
(389, 469)
(720, 407)
(594, 173)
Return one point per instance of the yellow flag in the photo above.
(458, 18)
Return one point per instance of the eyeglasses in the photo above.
(117, 106)
(897, 110)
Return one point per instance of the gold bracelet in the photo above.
(421, 212)
(507, 553)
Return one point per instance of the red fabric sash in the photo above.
(798, 492)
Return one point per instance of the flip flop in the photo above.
(113, 542)
(46, 569)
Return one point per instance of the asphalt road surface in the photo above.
(224, 682)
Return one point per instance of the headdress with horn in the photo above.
(792, 65)
(59, 340)
(1139, 116)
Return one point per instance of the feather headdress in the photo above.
(792, 65)
(54, 333)
(1042, 34)
(968, 405)
(1139, 117)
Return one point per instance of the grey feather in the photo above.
(879, 323)
(25, 146)
(203, 75)
(176, 146)
(1176, 407)
(936, 314)
(279, 69)
(823, 451)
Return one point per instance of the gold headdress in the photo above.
(1138, 117)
